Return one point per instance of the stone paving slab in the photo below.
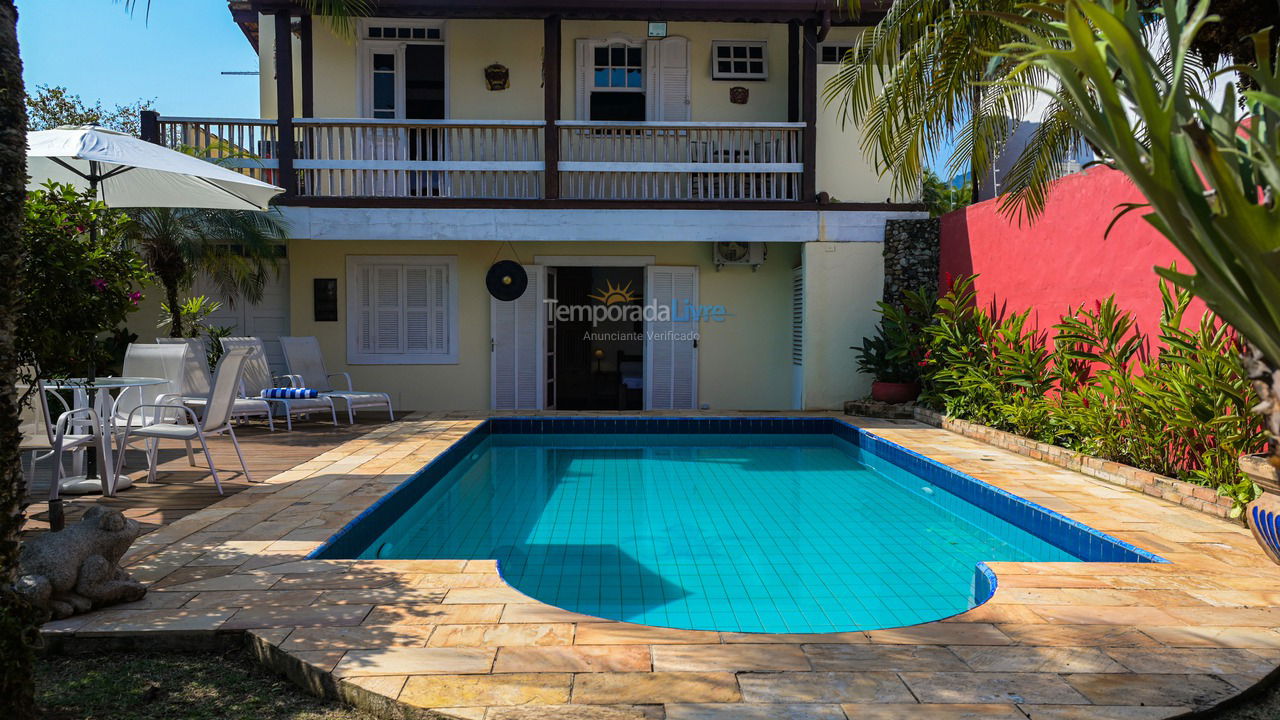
(1058, 640)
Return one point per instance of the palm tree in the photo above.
(16, 621)
(234, 248)
(929, 75)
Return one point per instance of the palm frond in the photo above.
(340, 14)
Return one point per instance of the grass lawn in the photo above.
(141, 686)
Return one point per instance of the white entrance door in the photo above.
(671, 346)
(518, 353)
(268, 319)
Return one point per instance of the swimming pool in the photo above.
(738, 524)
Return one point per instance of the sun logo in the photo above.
(612, 295)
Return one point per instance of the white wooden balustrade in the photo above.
(438, 158)
(364, 158)
(245, 145)
(680, 161)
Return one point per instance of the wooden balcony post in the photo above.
(149, 126)
(285, 176)
(793, 71)
(551, 106)
(809, 113)
(308, 70)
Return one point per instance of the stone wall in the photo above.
(910, 257)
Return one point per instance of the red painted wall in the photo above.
(1066, 258)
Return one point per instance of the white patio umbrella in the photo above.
(128, 172)
(124, 172)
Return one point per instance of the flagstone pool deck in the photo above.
(450, 638)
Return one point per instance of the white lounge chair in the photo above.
(302, 354)
(197, 383)
(216, 420)
(40, 434)
(257, 377)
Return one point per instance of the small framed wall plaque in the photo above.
(657, 29)
(325, 299)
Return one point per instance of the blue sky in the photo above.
(98, 51)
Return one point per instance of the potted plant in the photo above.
(894, 356)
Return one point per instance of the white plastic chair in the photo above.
(302, 355)
(198, 383)
(39, 433)
(216, 420)
(257, 377)
(148, 360)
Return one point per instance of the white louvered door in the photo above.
(518, 351)
(671, 346)
(667, 92)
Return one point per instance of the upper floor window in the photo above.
(833, 53)
(630, 80)
(739, 60)
(617, 82)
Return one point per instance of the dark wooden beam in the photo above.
(569, 204)
(793, 71)
(285, 176)
(308, 71)
(765, 11)
(551, 106)
(149, 126)
(809, 111)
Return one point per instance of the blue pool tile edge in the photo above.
(1074, 537)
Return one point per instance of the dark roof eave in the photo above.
(707, 10)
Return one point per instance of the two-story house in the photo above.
(630, 154)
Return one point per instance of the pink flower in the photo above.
(98, 284)
(135, 296)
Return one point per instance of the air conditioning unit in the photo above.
(730, 252)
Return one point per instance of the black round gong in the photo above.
(506, 280)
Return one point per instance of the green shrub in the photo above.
(1093, 385)
(896, 352)
(76, 286)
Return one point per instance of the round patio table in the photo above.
(105, 405)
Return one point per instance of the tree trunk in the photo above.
(1265, 377)
(17, 621)
(175, 312)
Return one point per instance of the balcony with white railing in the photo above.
(502, 160)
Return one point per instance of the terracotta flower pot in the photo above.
(894, 393)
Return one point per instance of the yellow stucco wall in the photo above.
(471, 45)
(842, 282)
(843, 170)
(744, 362)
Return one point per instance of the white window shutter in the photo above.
(388, 332)
(667, 91)
(518, 332)
(425, 309)
(402, 310)
(364, 307)
(671, 350)
(582, 51)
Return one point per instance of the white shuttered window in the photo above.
(402, 309)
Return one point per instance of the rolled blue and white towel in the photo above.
(290, 393)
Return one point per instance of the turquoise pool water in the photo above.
(733, 532)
